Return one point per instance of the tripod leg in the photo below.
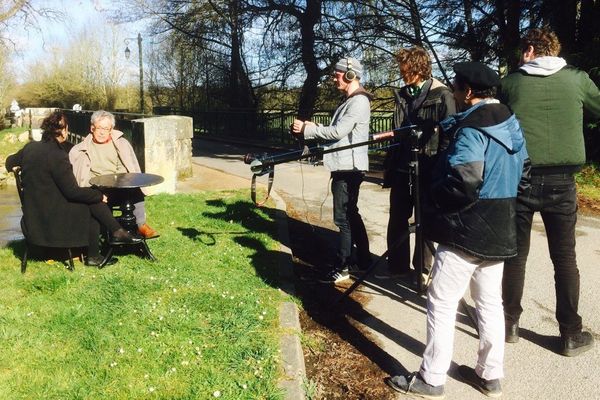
(431, 250)
(469, 313)
(24, 259)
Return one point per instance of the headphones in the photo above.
(350, 74)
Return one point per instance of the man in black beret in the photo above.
(473, 191)
(476, 75)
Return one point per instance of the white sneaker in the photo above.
(335, 276)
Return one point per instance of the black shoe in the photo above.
(490, 388)
(121, 236)
(414, 384)
(575, 344)
(96, 261)
(512, 332)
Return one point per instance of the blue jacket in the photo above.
(474, 186)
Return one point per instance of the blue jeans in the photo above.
(345, 187)
(555, 197)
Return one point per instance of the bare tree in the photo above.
(217, 28)
(69, 75)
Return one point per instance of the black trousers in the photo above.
(555, 197)
(345, 186)
(101, 215)
(401, 209)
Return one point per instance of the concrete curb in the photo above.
(292, 357)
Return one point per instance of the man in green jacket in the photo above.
(548, 97)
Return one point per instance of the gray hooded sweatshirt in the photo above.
(349, 124)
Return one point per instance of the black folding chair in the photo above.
(20, 189)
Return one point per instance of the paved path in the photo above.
(396, 316)
(10, 212)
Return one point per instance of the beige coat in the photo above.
(80, 159)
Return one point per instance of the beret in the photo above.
(477, 75)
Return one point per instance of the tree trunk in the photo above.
(561, 15)
(509, 16)
(588, 27)
(308, 95)
(416, 22)
(240, 91)
(471, 38)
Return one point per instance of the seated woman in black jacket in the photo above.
(56, 211)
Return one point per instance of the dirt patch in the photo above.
(342, 360)
(588, 206)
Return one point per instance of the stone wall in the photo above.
(167, 149)
(35, 116)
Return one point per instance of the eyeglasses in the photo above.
(102, 129)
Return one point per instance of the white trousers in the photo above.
(452, 271)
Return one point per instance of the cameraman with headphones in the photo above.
(349, 124)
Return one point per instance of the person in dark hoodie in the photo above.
(549, 98)
(349, 125)
(423, 101)
(474, 189)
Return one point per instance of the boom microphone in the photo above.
(261, 164)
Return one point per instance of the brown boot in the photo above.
(147, 232)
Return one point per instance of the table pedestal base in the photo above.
(129, 223)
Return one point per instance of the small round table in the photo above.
(126, 184)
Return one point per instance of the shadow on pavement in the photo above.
(348, 318)
(547, 342)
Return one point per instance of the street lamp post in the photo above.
(127, 54)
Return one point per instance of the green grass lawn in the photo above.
(7, 148)
(199, 323)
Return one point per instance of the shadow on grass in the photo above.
(195, 234)
(265, 261)
(38, 253)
